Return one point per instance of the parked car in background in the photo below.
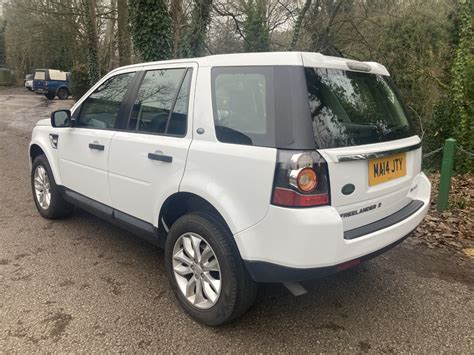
(28, 81)
(247, 168)
(52, 83)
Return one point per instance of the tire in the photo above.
(57, 206)
(237, 290)
(50, 96)
(63, 93)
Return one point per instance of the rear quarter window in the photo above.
(243, 105)
(264, 106)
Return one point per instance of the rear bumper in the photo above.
(262, 271)
(298, 244)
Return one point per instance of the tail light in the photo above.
(301, 180)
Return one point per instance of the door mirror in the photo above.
(61, 118)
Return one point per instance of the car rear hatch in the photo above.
(342, 134)
(40, 80)
(364, 133)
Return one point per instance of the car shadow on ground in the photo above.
(330, 301)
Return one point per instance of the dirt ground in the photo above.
(83, 285)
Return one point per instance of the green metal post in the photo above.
(446, 171)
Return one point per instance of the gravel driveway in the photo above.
(82, 284)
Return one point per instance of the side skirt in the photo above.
(138, 227)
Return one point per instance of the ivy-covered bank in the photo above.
(454, 113)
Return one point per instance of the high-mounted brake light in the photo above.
(301, 180)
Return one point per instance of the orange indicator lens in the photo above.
(307, 180)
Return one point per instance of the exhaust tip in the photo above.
(295, 288)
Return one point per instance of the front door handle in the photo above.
(160, 157)
(96, 146)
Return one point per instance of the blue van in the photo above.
(52, 83)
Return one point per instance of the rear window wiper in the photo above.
(395, 129)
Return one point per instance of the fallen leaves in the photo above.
(469, 251)
(452, 229)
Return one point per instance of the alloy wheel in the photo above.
(197, 270)
(42, 187)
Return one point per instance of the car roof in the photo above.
(307, 59)
(48, 69)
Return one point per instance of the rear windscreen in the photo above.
(40, 75)
(352, 108)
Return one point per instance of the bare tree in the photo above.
(123, 33)
(177, 22)
(93, 66)
(278, 17)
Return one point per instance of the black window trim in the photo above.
(123, 127)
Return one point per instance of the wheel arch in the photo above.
(181, 203)
(37, 148)
(63, 87)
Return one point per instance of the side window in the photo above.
(242, 98)
(178, 122)
(162, 102)
(100, 109)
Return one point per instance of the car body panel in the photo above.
(138, 185)
(388, 197)
(84, 170)
(40, 138)
(314, 237)
(236, 179)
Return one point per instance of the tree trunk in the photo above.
(193, 42)
(93, 67)
(109, 40)
(124, 44)
(3, 55)
(176, 24)
(150, 26)
(299, 22)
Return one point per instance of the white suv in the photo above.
(246, 168)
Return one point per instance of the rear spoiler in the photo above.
(352, 157)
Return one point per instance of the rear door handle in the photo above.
(96, 146)
(160, 157)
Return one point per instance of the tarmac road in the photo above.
(81, 284)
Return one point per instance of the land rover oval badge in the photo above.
(347, 189)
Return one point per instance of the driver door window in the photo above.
(101, 108)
